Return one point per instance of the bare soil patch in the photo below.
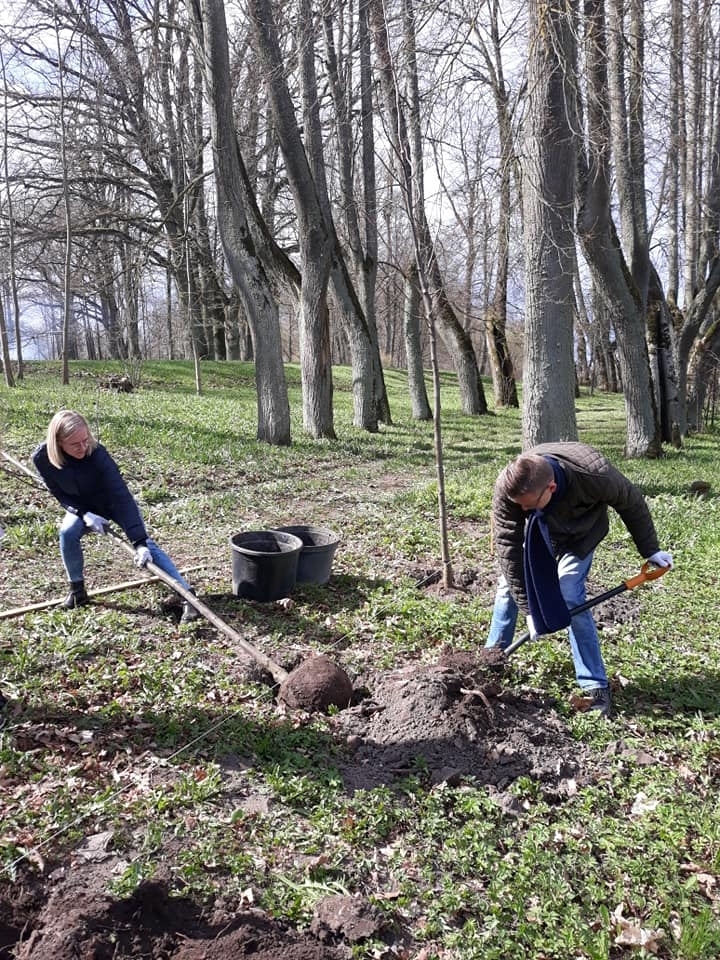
(454, 719)
(80, 921)
(444, 721)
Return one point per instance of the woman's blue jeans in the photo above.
(73, 528)
(584, 640)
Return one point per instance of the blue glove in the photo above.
(661, 559)
(142, 556)
(95, 522)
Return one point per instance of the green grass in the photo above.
(122, 721)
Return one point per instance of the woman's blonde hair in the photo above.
(63, 425)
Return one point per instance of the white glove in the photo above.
(531, 629)
(95, 522)
(661, 559)
(142, 556)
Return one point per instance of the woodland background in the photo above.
(524, 190)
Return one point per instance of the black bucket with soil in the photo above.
(318, 549)
(264, 564)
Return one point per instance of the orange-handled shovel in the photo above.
(648, 571)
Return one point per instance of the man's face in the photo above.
(536, 501)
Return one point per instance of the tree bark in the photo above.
(313, 236)
(413, 348)
(458, 343)
(624, 305)
(548, 204)
(355, 266)
(245, 266)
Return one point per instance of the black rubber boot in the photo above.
(78, 595)
(189, 613)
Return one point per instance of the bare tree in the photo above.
(622, 299)
(496, 315)
(313, 236)
(548, 202)
(406, 141)
(11, 239)
(357, 224)
(69, 346)
(247, 269)
(413, 310)
(4, 348)
(694, 197)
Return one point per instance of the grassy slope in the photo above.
(161, 715)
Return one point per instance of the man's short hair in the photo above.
(529, 473)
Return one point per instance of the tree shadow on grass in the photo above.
(685, 693)
(343, 594)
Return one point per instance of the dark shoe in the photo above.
(189, 613)
(601, 701)
(77, 597)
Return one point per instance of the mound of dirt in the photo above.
(80, 922)
(443, 722)
(454, 719)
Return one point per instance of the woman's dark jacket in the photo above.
(92, 484)
(578, 521)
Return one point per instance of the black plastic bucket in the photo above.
(318, 549)
(264, 564)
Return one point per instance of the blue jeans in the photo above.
(584, 640)
(73, 528)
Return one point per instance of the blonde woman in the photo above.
(86, 481)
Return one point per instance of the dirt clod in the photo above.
(351, 918)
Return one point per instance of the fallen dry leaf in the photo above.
(579, 703)
(632, 934)
(643, 805)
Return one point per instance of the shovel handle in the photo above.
(648, 571)
(277, 672)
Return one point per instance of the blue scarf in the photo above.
(546, 603)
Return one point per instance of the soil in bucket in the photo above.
(264, 564)
(318, 550)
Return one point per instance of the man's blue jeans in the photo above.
(584, 640)
(73, 528)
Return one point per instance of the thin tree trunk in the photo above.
(457, 341)
(4, 348)
(611, 275)
(357, 308)
(314, 240)
(413, 348)
(69, 342)
(12, 272)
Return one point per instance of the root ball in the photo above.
(316, 685)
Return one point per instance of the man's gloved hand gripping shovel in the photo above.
(648, 572)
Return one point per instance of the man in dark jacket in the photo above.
(83, 477)
(549, 514)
